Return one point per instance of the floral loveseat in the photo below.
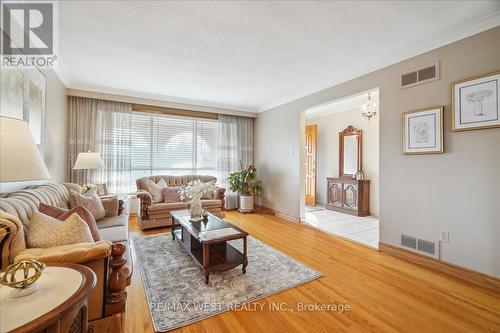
(158, 214)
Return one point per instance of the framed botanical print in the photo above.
(423, 131)
(475, 102)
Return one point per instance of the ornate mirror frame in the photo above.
(349, 131)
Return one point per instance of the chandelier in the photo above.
(369, 108)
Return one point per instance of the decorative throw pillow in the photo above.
(45, 231)
(155, 190)
(171, 194)
(89, 200)
(121, 206)
(209, 195)
(62, 214)
(111, 206)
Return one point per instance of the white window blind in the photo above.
(171, 145)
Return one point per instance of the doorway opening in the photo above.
(341, 173)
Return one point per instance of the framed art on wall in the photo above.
(475, 102)
(423, 131)
(23, 95)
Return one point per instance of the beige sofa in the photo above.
(154, 215)
(105, 257)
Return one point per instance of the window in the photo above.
(167, 145)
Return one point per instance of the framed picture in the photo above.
(475, 102)
(23, 94)
(423, 131)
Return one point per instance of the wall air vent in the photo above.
(419, 245)
(420, 75)
(409, 241)
(426, 246)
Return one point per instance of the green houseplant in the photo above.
(246, 184)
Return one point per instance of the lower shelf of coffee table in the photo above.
(222, 256)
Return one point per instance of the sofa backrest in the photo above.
(172, 180)
(22, 203)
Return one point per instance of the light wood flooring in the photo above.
(364, 230)
(385, 294)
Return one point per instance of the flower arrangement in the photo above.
(86, 187)
(196, 189)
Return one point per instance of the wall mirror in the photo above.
(350, 144)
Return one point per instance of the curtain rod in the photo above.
(158, 103)
(174, 111)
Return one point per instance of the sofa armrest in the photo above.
(115, 279)
(146, 201)
(221, 195)
(79, 253)
(11, 238)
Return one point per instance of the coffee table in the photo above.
(207, 242)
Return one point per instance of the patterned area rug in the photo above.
(176, 290)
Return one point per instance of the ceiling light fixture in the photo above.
(369, 108)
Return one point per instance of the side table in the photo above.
(58, 305)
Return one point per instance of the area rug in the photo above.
(176, 290)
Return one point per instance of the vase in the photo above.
(195, 209)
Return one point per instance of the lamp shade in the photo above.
(20, 159)
(88, 160)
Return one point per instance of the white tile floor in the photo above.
(361, 229)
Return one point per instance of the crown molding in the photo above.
(398, 55)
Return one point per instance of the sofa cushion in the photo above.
(155, 189)
(111, 206)
(73, 186)
(72, 253)
(115, 221)
(142, 183)
(118, 234)
(171, 194)
(210, 203)
(46, 231)
(89, 200)
(167, 206)
(62, 214)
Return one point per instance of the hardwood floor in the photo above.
(385, 294)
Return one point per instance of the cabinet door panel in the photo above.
(335, 194)
(350, 196)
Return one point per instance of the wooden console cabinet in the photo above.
(347, 195)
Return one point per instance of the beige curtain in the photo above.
(104, 127)
(234, 151)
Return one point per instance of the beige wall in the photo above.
(327, 162)
(458, 191)
(55, 133)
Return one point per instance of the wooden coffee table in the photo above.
(207, 242)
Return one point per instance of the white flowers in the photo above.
(196, 188)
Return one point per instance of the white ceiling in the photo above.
(349, 103)
(249, 55)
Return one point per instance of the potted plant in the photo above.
(246, 184)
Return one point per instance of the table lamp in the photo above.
(20, 158)
(88, 161)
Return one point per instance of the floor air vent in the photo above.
(420, 75)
